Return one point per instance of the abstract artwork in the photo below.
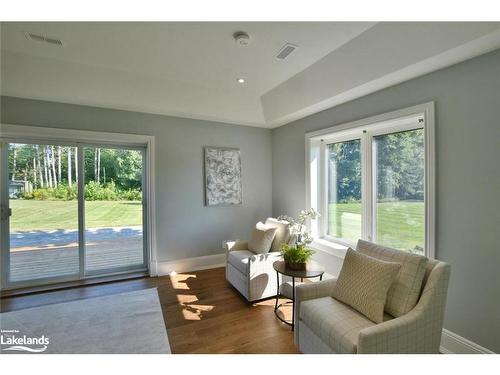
(222, 176)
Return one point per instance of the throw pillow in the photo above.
(405, 290)
(363, 284)
(282, 233)
(261, 239)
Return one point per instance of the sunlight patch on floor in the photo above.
(186, 298)
(190, 310)
(194, 311)
(179, 281)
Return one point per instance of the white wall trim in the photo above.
(451, 343)
(72, 137)
(191, 264)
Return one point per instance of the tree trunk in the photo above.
(70, 178)
(98, 165)
(40, 173)
(35, 176)
(46, 166)
(95, 164)
(76, 165)
(14, 150)
(59, 163)
(53, 164)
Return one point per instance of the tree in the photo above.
(76, 165)
(345, 171)
(53, 165)
(59, 169)
(37, 151)
(14, 153)
(48, 166)
(35, 176)
(70, 180)
(400, 165)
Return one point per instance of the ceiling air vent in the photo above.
(286, 51)
(43, 38)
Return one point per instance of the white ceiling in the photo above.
(186, 69)
(190, 69)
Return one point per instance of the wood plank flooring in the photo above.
(202, 313)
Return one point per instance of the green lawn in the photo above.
(46, 215)
(399, 224)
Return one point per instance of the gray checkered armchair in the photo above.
(325, 325)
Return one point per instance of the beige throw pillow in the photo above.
(405, 290)
(363, 284)
(261, 239)
(282, 233)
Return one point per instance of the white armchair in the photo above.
(253, 274)
(325, 325)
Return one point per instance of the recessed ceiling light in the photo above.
(241, 80)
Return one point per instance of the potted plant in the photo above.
(297, 255)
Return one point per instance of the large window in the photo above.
(372, 179)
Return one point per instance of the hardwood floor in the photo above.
(202, 313)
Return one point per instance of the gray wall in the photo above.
(185, 227)
(467, 97)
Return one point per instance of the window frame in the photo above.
(365, 129)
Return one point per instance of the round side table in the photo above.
(313, 269)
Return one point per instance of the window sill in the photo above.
(329, 247)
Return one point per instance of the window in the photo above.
(398, 170)
(344, 189)
(373, 179)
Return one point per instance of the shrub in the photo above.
(27, 195)
(97, 192)
(41, 194)
(131, 195)
(93, 192)
(65, 192)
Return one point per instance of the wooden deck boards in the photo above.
(63, 261)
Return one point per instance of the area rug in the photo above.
(116, 324)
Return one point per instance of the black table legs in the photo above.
(276, 306)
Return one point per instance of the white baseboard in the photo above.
(191, 264)
(451, 343)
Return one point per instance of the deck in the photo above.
(37, 255)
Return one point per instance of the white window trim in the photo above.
(69, 136)
(316, 169)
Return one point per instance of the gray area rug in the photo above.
(121, 323)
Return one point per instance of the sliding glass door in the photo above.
(70, 212)
(114, 217)
(42, 215)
